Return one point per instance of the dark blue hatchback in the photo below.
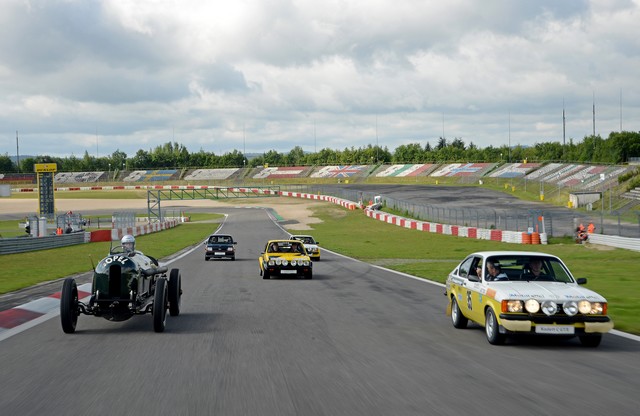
(220, 246)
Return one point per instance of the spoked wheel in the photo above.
(175, 292)
(69, 306)
(491, 328)
(457, 318)
(160, 305)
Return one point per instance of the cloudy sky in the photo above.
(260, 75)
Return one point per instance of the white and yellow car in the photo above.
(534, 293)
(310, 244)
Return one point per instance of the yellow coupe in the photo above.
(518, 292)
(285, 258)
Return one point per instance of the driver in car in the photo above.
(128, 243)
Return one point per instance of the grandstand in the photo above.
(152, 175)
(286, 172)
(409, 170)
(514, 170)
(18, 178)
(79, 177)
(341, 171)
(463, 169)
(210, 174)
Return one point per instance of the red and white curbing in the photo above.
(31, 311)
(456, 230)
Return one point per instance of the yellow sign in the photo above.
(45, 167)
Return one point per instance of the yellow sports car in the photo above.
(518, 292)
(285, 258)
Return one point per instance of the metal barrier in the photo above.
(615, 241)
(24, 244)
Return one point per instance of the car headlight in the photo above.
(293, 263)
(592, 308)
(272, 262)
(549, 307)
(306, 262)
(513, 306)
(570, 307)
(584, 306)
(532, 305)
(285, 262)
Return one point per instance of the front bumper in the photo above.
(288, 271)
(525, 324)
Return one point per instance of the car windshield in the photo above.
(305, 239)
(531, 268)
(219, 239)
(286, 247)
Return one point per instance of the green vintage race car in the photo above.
(124, 284)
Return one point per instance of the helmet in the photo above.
(128, 243)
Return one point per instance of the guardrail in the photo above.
(615, 241)
(24, 244)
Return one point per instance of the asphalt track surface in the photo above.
(355, 340)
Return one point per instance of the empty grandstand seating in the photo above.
(18, 178)
(404, 170)
(514, 170)
(79, 177)
(152, 175)
(210, 174)
(282, 172)
(463, 169)
(340, 171)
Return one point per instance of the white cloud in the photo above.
(259, 75)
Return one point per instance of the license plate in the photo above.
(219, 253)
(555, 329)
(288, 271)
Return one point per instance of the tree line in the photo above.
(616, 149)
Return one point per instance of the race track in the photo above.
(355, 340)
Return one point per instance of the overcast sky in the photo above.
(260, 75)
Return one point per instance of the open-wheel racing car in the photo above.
(125, 283)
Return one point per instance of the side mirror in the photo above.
(473, 278)
(581, 281)
(235, 242)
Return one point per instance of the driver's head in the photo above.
(128, 243)
(535, 265)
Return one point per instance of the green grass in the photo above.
(432, 256)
